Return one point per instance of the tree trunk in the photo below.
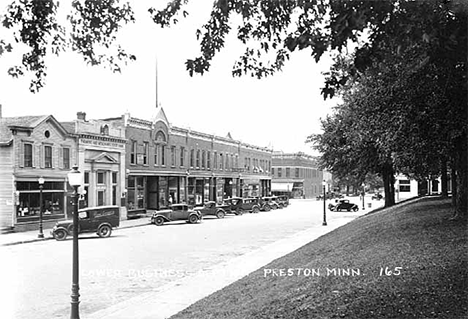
(444, 178)
(389, 185)
(461, 196)
(347, 189)
(454, 187)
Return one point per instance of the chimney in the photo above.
(81, 116)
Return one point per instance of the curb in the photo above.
(49, 238)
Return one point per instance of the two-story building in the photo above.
(297, 175)
(101, 148)
(33, 149)
(168, 164)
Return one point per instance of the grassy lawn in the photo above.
(418, 237)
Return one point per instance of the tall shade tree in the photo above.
(427, 38)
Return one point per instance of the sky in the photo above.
(278, 112)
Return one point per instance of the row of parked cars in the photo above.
(234, 205)
(103, 219)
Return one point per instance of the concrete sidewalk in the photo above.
(170, 299)
(31, 236)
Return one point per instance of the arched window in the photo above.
(160, 137)
(105, 130)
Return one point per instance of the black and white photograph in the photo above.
(233, 159)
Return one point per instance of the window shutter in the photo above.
(21, 154)
(60, 157)
(34, 155)
(55, 156)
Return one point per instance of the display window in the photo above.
(29, 201)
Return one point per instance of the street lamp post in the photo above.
(41, 207)
(75, 179)
(363, 194)
(324, 204)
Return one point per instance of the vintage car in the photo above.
(377, 196)
(93, 219)
(283, 201)
(176, 212)
(239, 205)
(211, 208)
(268, 203)
(343, 204)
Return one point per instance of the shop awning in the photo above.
(281, 187)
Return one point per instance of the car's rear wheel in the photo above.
(239, 211)
(104, 231)
(159, 221)
(255, 210)
(60, 234)
(355, 209)
(274, 207)
(220, 214)
(267, 208)
(193, 219)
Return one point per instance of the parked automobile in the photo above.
(268, 203)
(211, 208)
(283, 201)
(377, 196)
(176, 212)
(92, 219)
(343, 204)
(250, 204)
(239, 205)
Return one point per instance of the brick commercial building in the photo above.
(167, 164)
(101, 158)
(297, 175)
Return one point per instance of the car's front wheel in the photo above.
(267, 208)
(193, 219)
(239, 211)
(158, 221)
(220, 214)
(355, 209)
(255, 210)
(60, 234)
(104, 231)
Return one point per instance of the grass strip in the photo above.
(346, 273)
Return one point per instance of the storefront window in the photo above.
(199, 187)
(140, 192)
(220, 190)
(28, 208)
(183, 198)
(191, 191)
(206, 190)
(173, 189)
(163, 201)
